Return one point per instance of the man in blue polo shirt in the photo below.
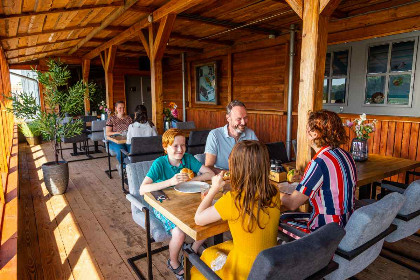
(221, 140)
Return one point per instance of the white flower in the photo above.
(363, 117)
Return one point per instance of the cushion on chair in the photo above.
(411, 205)
(366, 223)
(135, 175)
(151, 147)
(298, 259)
(197, 139)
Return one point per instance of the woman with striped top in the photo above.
(329, 180)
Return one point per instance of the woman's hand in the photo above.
(179, 178)
(217, 181)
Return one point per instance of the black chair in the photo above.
(306, 258)
(197, 142)
(277, 150)
(80, 138)
(142, 149)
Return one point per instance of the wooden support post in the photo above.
(41, 96)
(85, 70)
(312, 67)
(230, 77)
(108, 61)
(157, 45)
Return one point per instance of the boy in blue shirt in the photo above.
(164, 173)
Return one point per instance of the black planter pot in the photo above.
(56, 176)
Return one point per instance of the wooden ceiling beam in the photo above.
(194, 38)
(162, 36)
(61, 10)
(44, 44)
(144, 42)
(184, 49)
(173, 6)
(297, 6)
(142, 9)
(109, 19)
(38, 54)
(327, 7)
(73, 28)
(225, 23)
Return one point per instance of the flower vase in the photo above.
(104, 117)
(168, 125)
(359, 149)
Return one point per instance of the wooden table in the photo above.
(378, 167)
(180, 209)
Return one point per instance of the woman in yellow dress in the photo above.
(252, 209)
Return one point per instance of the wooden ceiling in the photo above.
(32, 29)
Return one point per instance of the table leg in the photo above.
(365, 191)
(75, 153)
(95, 143)
(187, 267)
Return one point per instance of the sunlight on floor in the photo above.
(69, 239)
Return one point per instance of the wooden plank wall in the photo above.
(8, 179)
(393, 136)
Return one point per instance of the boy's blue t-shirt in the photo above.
(162, 170)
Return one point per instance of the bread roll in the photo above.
(188, 171)
(226, 176)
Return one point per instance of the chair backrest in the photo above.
(298, 259)
(364, 225)
(201, 158)
(277, 150)
(197, 141)
(185, 125)
(136, 172)
(411, 205)
(97, 125)
(146, 148)
(89, 118)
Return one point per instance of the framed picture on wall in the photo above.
(206, 83)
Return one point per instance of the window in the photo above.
(336, 77)
(390, 69)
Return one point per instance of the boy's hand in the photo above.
(179, 178)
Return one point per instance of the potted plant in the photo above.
(61, 100)
(25, 108)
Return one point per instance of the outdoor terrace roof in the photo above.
(30, 29)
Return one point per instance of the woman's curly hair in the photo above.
(329, 127)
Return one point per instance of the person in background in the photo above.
(141, 126)
(329, 180)
(221, 140)
(117, 124)
(165, 173)
(252, 209)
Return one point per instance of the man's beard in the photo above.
(238, 130)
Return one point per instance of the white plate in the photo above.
(190, 187)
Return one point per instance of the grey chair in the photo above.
(277, 150)
(185, 125)
(96, 132)
(109, 151)
(142, 149)
(201, 158)
(197, 141)
(140, 209)
(365, 234)
(306, 258)
(408, 218)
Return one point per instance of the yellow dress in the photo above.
(242, 251)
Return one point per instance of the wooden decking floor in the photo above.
(88, 233)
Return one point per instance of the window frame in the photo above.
(331, 77)
(389, 73)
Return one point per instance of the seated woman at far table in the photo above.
(165, 173)
(252, 209)
(141, 126)
(329, 180)
(117, 124)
